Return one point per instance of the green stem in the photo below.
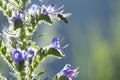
(13, 4)
(22, 38)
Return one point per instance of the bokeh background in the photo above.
(93, 34)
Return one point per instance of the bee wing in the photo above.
(45, 2)
(59, 8)
(67, 14)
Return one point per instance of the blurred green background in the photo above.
(93, 34)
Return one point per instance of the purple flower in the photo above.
(28, 54)
(31, 53)
(68, 72)
(50, 9)
(55, 43)
(24, 55)
(17, 56)
(35, 9)
(18, 17)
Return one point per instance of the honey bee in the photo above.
(63, 18)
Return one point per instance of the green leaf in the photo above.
(34, 46)
(4, 49)
(18, 24)
(4, 6)
(55, 52)
(0, 43)
(45, 18)
(8, 12)
(63, 78)
(55, 78)
(17, 1)
(40, 35)
(38, 74)
(0, 3)
(20, 67)
(2, 77)
(60, 78)
(13, 74)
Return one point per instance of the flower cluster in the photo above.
(50, 10)
(22, 55)
(17, 46)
